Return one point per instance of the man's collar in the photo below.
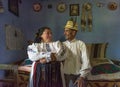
(72, 40)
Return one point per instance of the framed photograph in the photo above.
(74, 9)
(13, 7)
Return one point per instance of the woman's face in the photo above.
(47, 35)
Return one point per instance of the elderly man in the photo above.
(76, 65)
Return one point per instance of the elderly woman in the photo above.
(46, 56)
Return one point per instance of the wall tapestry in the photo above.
(14, 38)
(86, 17)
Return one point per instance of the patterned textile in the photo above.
(117, 84)
(47, 75)
(97, 50)
(48, 48)
(6, 84)
(104, 69)
(27, 62)
(23, 78)
(102, 84)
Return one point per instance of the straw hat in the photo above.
(71, 25)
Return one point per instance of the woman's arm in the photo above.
(35, 55)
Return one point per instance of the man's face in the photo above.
(69, 34)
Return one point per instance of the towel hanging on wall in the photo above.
(86, 17)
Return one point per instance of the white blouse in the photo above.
(38, 51)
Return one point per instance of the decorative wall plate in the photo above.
(37, 7)
(61, 7)
(112, 5)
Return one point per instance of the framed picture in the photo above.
(13, 7)
(74, 9)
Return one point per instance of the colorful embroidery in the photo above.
(104, 69)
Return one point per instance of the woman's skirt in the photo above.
(47, 75)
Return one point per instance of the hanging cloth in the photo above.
(83, 19)
(86, 17)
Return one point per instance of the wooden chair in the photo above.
(13, 78)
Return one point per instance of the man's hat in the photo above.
(71, 25)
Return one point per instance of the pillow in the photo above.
(27, 62)
(97, 50)
(98, 61)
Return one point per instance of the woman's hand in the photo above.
(43, 60)
(53, 58)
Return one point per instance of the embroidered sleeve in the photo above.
(61, 51)
(35, 55)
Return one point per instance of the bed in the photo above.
(104, 73)
(24, 69)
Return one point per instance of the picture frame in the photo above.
(74, 9)
(49, 6)
(13, 7)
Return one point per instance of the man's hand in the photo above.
(53, 57)
(80, 82)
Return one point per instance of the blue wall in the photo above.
(105, 25)
(21, 22)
